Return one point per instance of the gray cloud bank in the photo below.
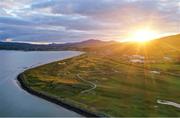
(75, 20)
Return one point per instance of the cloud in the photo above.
(74, 20)
(8, 40)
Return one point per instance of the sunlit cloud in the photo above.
(76, 20)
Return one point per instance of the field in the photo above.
(111, 85)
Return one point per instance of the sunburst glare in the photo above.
(143, 35)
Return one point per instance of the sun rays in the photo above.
(142, 35)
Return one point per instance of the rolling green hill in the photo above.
(158, 47)
(117, 79)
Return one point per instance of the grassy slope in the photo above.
(123, 89)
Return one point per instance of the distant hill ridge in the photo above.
(164, 43)
(53, 46)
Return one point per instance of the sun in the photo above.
(143, 35)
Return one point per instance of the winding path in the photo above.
(93, 85)
(165, 102)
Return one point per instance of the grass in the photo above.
(123, 89)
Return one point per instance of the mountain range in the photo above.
(164, 45)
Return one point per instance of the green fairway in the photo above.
(110, 85)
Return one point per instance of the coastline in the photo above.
(52, 99)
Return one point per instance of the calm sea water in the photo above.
(14, 101)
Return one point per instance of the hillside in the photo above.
(166, 46)
(173, 41)
(157, 46)
(118, 79)
(87, 45)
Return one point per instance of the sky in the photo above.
(78, 20)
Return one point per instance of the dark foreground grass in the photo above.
(122, 89)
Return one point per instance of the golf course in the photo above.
(120, 79)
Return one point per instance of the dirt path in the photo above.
(93, 85)
(165, 102)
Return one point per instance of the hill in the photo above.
(87, 45)
(156, 47)
(166, 46)
(115, 79)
